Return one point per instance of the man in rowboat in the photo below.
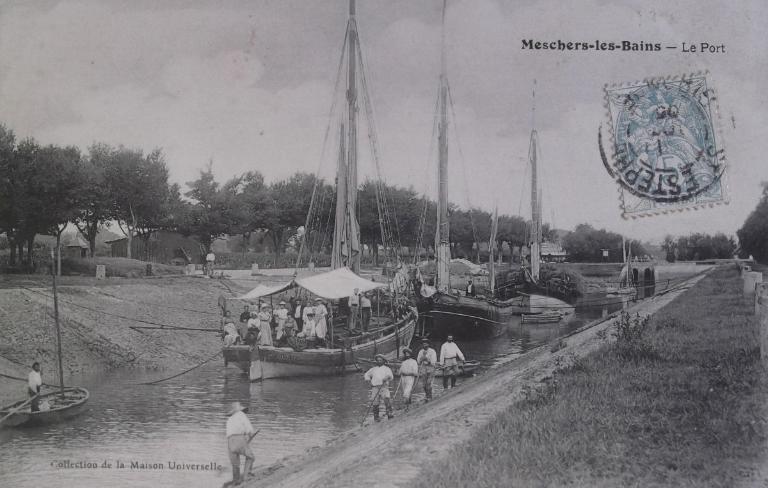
(409, 372)
(379, 378)
(239, 434)
(35, 382)
(427, 359)
(450, 355)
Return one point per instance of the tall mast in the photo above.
(339, 231)
(491, 242)
(535, 210)
(442, 237)
(353, 247)
(58, 328)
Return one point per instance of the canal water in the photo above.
(168, 434)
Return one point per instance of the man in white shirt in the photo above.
(450, 355)
(239, 434)
(209, 260)
(379, 378)
(34, 383)
(354, 309)
(409, 375)
(365, 309)
(427, 359)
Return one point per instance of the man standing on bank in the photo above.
(470, 288)
(379, 377)
(35, 382)
(409, 373)
(239, 434)
(450, 355)
(427, 360)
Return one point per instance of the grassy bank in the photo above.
(677, 401)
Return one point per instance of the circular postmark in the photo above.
(665, 141)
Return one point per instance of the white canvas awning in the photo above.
(333, 285)
(263, 291)
(339, 283)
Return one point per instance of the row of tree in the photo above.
(753, 235)
(586, 244)
(699, 246)
(45, 188)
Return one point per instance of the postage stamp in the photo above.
(666, 150)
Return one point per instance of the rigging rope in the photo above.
(423, 217)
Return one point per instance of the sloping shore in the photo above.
(393, 452)
(113, 323)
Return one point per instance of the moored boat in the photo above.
(63, 405)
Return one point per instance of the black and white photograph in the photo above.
(403, 243)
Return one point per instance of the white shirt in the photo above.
(307, 311)
(238, 423)
(378, 375)
(253, 323)
(409, 368)
(281, 313)
(354, 301)
(297, 313)
(210, 257)
(35, 380)
(429, 356)
(229, 328)
(365, 302)
(450, 350)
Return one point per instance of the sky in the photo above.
(249, 86)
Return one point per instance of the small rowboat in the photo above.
(542, 318)
(62, 406)
(467, 370)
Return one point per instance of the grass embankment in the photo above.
(675, 401)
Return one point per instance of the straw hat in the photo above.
(236, 407)
(264, 305)
(380, 356)
(425, 341)
(282, 302)
(318, 299)
(406, 350)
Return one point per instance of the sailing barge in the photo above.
(468, 317)
(387, 335)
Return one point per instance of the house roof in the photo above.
(74, 240)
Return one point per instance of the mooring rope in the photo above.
(183, 372)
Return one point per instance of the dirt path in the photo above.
(392, 453)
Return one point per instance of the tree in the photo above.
(96, 207)
(210, 215)
(9, 188)
(140, 191)
(670, 248)
(288, 208)
(252, 201)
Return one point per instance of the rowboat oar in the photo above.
(253, 435)
(376, 397)
(19, 408)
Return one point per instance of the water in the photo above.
(182, 421)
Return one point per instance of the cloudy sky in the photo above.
(249, 85)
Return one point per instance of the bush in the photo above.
(630, 341)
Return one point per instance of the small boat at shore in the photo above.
(63, 405)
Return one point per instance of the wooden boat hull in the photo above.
(469, 318)
(26, 418)
(265, 362)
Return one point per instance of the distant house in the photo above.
(162, 247)
(74, 245)
(552, 252)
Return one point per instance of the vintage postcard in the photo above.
(348, 243)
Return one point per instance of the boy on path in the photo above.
(379, 378)
(409, 373)
(427, 360)
(450, 355)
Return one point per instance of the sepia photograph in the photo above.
(412, 243)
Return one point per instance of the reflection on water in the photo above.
(182, 421)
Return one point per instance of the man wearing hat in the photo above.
(427, 360)
(321, 325)
(281, 316)
(409, 374)
(265, 330)
(239, 434)
(450, 355)
(379, 377)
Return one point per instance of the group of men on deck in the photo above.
(412, 370)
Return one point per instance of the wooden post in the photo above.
(761, 308)
(751, 278)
